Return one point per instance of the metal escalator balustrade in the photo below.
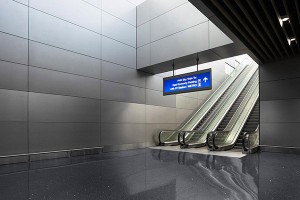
(226, 139)
(198, 137)
(251, 141)
(235, 106)
(233, 110)
(192, 136)
(170, 137)
(250, 126)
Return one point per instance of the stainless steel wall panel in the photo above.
(75, 11)
(143, 56)
(60, 60)
(203, 95)
(119, 92)
(13, 138)
(154, 82)
(160, 115)
(23, 1)
(192, 40)
(182, 115)
(13, 76)
(13, 18)
(63, 136)
(96, 3)
(280, 134)
(115, 134)
(117, 73)
(217, 37)
(143, 13)
(13, 49)
(13, 105)
(119, 53)
(54, 108)
(53, 31)
(120, 112)
(189, 94)
(119, 30)
(52, 82)
(156, 98)
(281, 89)
(121, 9)
(200, 102)
(152, 131)
(281, 69)
(280, 103)
(280, 111)
(186, 102)
(143, 34)
(159, 7)
(176, 20)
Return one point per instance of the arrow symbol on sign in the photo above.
(205, 79)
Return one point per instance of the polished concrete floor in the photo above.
(154, 174)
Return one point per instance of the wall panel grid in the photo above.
(68, 78)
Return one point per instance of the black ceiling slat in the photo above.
(297, 9)
(272, 24)
(264, 26)
(233, 22)
(232, 28)
(283, 29)
(251, 33)
(258, 30)
(292, 22)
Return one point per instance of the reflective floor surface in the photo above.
(154, 174)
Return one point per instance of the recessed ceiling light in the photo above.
(283, 19)
(292, 39)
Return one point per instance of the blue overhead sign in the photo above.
(191, 82)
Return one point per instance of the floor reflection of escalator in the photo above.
(250, 126)
(216, 177)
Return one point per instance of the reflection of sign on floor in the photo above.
(200, 80)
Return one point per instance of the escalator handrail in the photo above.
(236, 115)
(215, 134)
(217, 111)
(244, 101)
(209, 137)
(181, 137)
(211, 96)
(246, 139)
(221, 107)
(238, 71)
(162, 132)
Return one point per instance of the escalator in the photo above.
(220, 116)
(235, 106)
(170, 137)
(250, 126)
(242, 116)
(210, 114)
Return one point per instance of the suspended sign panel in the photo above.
(191, 82)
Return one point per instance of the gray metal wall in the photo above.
(68, 79)
(175, 27)
(280, 103)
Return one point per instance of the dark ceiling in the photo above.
(269, 28)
